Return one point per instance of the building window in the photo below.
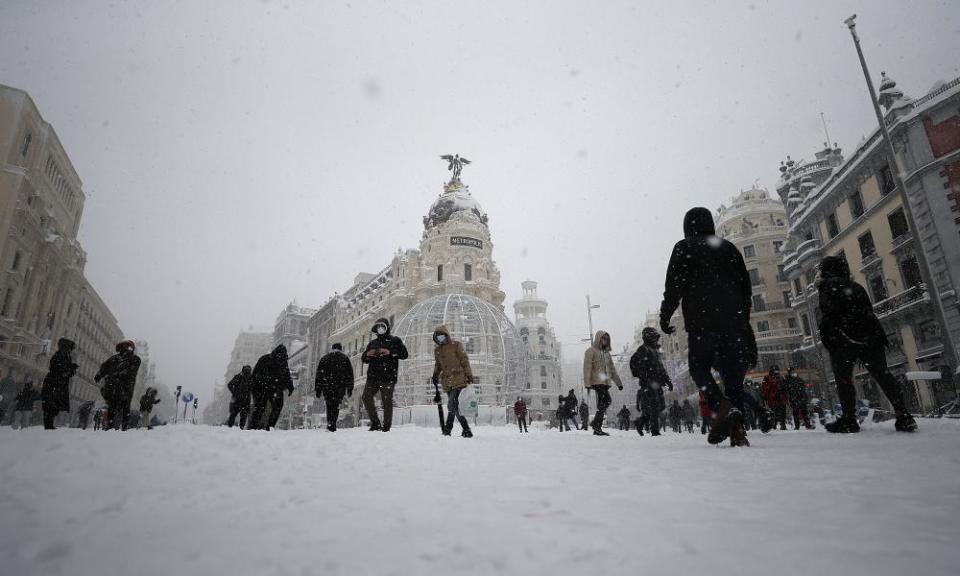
(763, 326)
(545, 402)
(26, 145)
(856, 205)
(543, 371)
(543, 385)
(910, 272)
(791, 322)
(781, 277)
(806, 324)
(867, 248)
(886, 180)
(777, 246)
(440, 273)
(879, 287)
(754, 276)
(786, 298)
(832, 228)
(797, 287)
(467, 272)
(758, 304)
(528, 385)
(749, 251)
(898, 223)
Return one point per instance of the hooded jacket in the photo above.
(796, 391)
(707, 277)
(240, 387)
(383, 369)
(148, 400)
(272, 374)
(334, 375)
(848, 324)
(55, 391)
(598, 369)
(520, 407)
(773, 391)
(647, 367)
(26, 397)
(120, 373)
(451, 366)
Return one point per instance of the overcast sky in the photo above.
(238, 155)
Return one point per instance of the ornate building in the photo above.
(757, 225)
(851, 207)
(542, 382)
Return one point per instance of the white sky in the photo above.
(237, 155)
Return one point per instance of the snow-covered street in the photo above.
(203, 500)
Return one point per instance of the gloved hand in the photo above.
(436, 398)
(289, 393)
(620, 387)
(97, 378)
(666, 328)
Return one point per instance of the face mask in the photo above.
(441, 339)
(381, 330)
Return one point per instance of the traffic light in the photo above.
(196, 402)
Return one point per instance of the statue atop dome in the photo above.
(455, 165)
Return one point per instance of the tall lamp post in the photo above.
(589, 339)
(948, 346)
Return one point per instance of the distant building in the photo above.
(756, 224)
(247, 349)
(291, 325)
(543, 382)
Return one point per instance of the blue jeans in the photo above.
(453, 402)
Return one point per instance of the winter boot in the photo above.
(905, 422)
(844, 425)
(448, 427)
(639, 427)
(466, 427)
(599, 432)
(331, 428)
(738, 433)
(721, 425)
(374, 427)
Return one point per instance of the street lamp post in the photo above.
(589, 339)
(948, 346)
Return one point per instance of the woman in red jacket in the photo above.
(774, 394)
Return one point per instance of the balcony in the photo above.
(902, 301)
(869, 261)
(779, 333)
(808, 249)
(900, 242)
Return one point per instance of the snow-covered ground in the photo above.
(200, 500)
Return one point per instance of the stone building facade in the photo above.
(850, 207)
(44, 295)
(543, 381)
(756, 224)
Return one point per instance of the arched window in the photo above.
(543, 371)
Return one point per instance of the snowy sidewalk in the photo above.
(198, 500)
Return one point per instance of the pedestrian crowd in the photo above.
(706, 279)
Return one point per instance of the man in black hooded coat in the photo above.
(708, 279)
(647, 367)
(271, 377)
(334, 380)
(55, 392)
(120, 373)
(382, 357)
(850, 331)
(240, 387)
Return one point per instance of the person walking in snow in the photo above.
(797, 394)
(55, 391)
(147, 402)
(570, 408)
(707, 277)
(97, 418)
(647, 367)
(623, 418)
(271, 375)
(240, 388)
(689, 415)
(705, 414)
(451, 369)
(598, 373)
(382, 356)
(334, 381)
(520, 411)
(850, 331)
(676, 416)
(562, 415)
(23, 406)
(584, 414)
(120, 375)
(774, 394)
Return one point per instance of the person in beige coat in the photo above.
(451, 369)
(598, 373)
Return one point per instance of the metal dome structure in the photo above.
(491, 341)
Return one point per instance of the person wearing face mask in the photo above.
(598, 373)
(271, 376)
(240, 387)
(647, 367)
(451, 369)
(382, 357)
